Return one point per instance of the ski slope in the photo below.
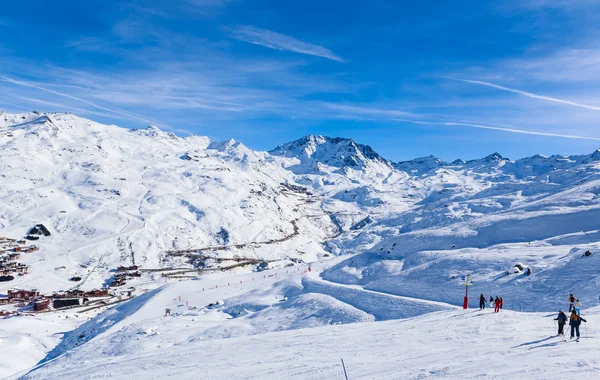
(271, 329)
(387, 244)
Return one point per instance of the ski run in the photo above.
(196, 259)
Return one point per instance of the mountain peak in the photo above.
(333, 151)
(494, 157)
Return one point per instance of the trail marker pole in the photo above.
(344, 367)
(467, 282)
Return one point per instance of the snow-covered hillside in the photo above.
(383, 240)
(114, 196)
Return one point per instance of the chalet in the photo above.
(122, 269)
(133, 267)
(17, 249)
(76, 293)
(118, 282)
(22, 295)
(33, 248)
(135, 274)
(96, 293)
(4, 301)
(22, 269)
(41, 304)
(12, 257)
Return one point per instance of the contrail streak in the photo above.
(511, 130)
(527, 94)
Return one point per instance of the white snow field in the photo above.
(238, 339)
(387, 244)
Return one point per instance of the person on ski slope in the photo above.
(501, 302)
(562, 321)
(491, 302)
(575, 322)
(577, 306)
(571, 302)
(482, 302)
(497, 302)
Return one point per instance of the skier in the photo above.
(562, 321)
(501, 302)
(577, 307)
(167, 312)
(481, 302)
(571, 302)
(491, 302)
(497, 303)
(574, 322)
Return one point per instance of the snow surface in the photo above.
(450, 343)
(388, 244)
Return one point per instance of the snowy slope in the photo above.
(404, 233)
(113, 196)
(137, 341)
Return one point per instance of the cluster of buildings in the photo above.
(60, 300)
(124, 273)
(10, 253)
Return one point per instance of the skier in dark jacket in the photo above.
(575, 322)
(481, 302)
(491, 302)
(501, 303)
(562, 321)
(571, 302)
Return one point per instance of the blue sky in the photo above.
(452, 79)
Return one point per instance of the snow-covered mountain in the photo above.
(405, 232)
(115, 196)
(313, 151)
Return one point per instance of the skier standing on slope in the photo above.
(497, 303)
(571, 302)
(491, 302)
(575, 322)
(577, 307)
(562, 321)
(482, 302)
(501, 303)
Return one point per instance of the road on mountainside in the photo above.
(296, 231)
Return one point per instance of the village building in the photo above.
(65, 302)
(22, 295)
(41, 304)
(39, 229)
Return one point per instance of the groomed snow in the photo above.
(387, 243)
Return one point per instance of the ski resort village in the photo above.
(319, 259)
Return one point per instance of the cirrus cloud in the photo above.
(279, 41)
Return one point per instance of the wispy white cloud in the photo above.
(528, 94)
(61, 107)
(279, 41)
(348, 110)
(503, 129)
(111, 110)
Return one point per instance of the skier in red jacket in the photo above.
(497, 303)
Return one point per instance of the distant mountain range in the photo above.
(116, 196)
